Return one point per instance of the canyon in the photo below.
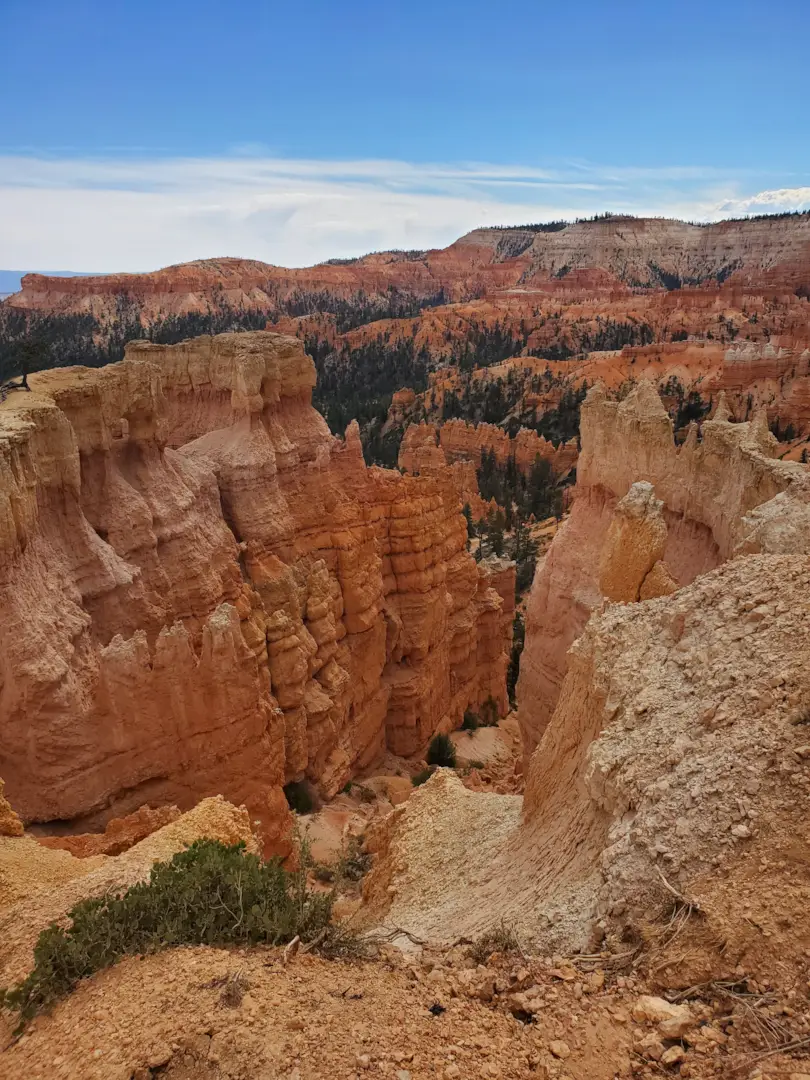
(628, 252)
(662, 692)
(209, 596)
(205, 592)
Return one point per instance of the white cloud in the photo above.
(138, 214)
(766, 202)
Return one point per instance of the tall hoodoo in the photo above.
(203, 591)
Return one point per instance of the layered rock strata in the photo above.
(203, 591)
(596, 258)
(719, 495)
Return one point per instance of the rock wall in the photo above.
(462, 441)
(676, 759)
(774, 375)
(599, 258)
(721, 495)
(203, 591)
(420, 454)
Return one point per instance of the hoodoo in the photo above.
(205, 592)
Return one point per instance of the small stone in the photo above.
(161, 1055)
(362, 1061)
(742, 832)
(452, 1071)
(673, 1055)
(650, 1047)
(673, 1020)
(559, 1049)
(403, 1074)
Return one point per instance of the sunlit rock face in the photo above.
(648, 517)
(203, 591)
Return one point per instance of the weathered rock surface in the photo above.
(700, 504)
(203, 591)
(673, 745)
(634, 544)
(10, 824)
(598, 258)
(119, 835)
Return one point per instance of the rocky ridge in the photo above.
(721, 495)
(608, 255)
(205, 592)
(664, 738)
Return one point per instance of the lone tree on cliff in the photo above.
(20, 359)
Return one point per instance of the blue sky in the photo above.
(138, 134)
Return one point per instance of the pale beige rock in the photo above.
(659, 582)
(10, 824)
(634, 544)
(673, 1055)
(626, 780)
(672, 1020)
(719, 497)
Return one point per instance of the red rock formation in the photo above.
(419, 454)
(592, 258)
(203, 591)
(119, 835)
(454, 449)
(462, 441)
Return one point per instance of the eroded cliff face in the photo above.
(597, 258)
(676, 759)
(203, 591)
(719, 496)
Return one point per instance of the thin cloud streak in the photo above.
(138, 214)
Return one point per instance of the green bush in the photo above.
(470, 722)
(209, 894)
(354, 863)
(419, 778)
(441, 752)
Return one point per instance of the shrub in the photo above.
(299, 796)
(354, 863)
(209, 894)
(499, 939)
(471, 722)
(421, 777)
(441, 752)
(477, 765)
